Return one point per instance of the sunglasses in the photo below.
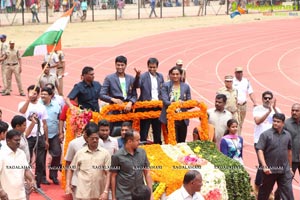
(267, 98)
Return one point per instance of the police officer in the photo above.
(3, 49)
(12, 59)
(231, 94)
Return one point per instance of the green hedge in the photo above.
(237, 178)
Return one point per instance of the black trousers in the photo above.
(156, 128)
(259, 173)
(295, 166)
(40, 156)
(181, 131)
(55, 152)
(284, 182)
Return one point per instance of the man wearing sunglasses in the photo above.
(263, 118)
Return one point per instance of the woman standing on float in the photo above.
(173, 91)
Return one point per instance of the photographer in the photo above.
(38, 137)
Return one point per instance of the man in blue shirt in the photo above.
(87, 91)
(53, 111)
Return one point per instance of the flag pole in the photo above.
(47, 62)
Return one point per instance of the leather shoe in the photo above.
(45, 181)
(6, 94)
(55, 181)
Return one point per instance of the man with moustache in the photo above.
(263, 118)
(91, 163)
(3, 49)
(192, 183)
(231, 94)
(275, 155)
(53, 111)
(129, 167)
(13, 65)
(292, 125)
(109, 143)
(14, 169)
(73, 147)
(218, 117)
(40, 131)
(87, 92)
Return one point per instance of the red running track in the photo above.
(268, 50)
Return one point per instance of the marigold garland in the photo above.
(164, 168)
(71, 133)
(172, 115)
(168, 132)
(161, 188)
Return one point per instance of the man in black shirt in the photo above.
(275, 155)
(87, 91)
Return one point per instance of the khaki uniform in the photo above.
(231, 103)
(13, 66)
(60, 72)
(4, 48)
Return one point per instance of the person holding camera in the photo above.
(38, 137)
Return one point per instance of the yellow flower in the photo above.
(197, 149)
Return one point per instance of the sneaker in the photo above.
(22, 94)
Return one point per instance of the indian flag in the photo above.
(46, 42)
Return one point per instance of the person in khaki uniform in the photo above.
(231, 94)
(13, 64)
(3, 49)
(60, 71)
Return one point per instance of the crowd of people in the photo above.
(101, 166)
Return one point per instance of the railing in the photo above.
(102, 10)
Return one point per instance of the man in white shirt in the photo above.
(29, 108)
(109, 143)
(218, 117)
(190, 190)
(14, 169)
(243, 86)
(263, 118)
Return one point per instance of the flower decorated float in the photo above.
(223, 178)
(169, 163)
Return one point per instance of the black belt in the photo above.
(9, 64)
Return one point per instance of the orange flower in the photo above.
(168, 132)
(164, 169)
(172, 116)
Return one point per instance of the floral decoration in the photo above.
(213, 195)
(193, 160)
(161, 188)
(164, 168)
(237, 178)
(79, 118)
(172, 115)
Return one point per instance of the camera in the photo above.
(32, 115)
